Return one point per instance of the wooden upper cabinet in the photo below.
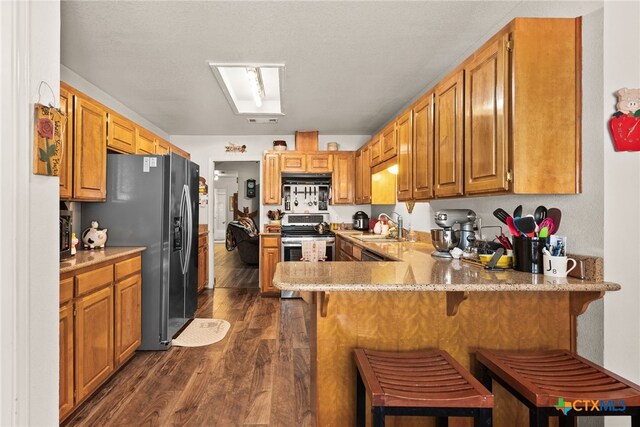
(423, 148)
(293, 162)
(404, 138)
(388, 142)
(448, 144)
(365, 176)
(145, 141)
(271, 179)
(122, 134)
(66, 164)
(486, 136)
(162, 146)
(358, 186)
(90, 150)
(342, 182)
(320, 163)
(375, 150)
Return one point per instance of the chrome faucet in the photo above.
(397, 222)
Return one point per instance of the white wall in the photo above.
(30, 54)
(622, 199)
(68, 76)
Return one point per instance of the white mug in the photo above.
(556, 266)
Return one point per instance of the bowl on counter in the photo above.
(505, 261)
(444, 240)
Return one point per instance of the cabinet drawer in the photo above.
(125, 268)
(356, 252)
(92, 280)
(347, 248)
(66, 290)
(270, 241)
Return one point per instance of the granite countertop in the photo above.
(416, 270)
(85, 258)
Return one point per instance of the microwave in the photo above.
(65, 231)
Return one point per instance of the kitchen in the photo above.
(606, 192)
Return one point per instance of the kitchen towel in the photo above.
(201, 332)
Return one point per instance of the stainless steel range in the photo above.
(297, 228)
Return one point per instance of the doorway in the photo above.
(235, 260)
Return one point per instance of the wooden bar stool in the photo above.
(561, 384)
(418, 383)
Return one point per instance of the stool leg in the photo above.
(442, 421)
(378, 416)
(361, 401)
(485, 378)
(635, 421)
(483, 419)
(565, 421)
(537, 419)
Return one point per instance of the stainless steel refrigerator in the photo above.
(152, 201)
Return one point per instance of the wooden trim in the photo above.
(578, 35)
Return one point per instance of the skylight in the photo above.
(254, 89)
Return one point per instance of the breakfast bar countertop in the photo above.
(416, 270)
(85, 258)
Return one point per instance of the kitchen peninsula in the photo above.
(418, 302)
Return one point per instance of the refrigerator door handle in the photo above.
(185, 245)
(189, 228)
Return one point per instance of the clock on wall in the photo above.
(251, 188)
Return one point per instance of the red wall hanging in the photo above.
(625, 123)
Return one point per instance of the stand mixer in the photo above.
(446, 238)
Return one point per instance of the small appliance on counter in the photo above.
(361, 221)
(446, 238)
(66, 221)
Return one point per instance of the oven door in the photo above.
(292, 250)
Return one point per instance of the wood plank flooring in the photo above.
(258, 375)
(230, 272)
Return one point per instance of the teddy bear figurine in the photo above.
(628, 100)
(93, 237)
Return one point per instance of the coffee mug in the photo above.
(556, 266)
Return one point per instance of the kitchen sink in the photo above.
(374, 238)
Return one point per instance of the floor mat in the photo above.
(202, 332)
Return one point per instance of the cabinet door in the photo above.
(366, 174)
(376, 150)
(163, 147)
(423, 148)
(343, 178)
(404, 137)
(66, 163)
(90, 151)
(449, 118)
(269, 257)
(320, 163)
(122, 134)
(271, 179)
(485, 137)
(358, 186)
(128, 329)
(65, 403)
(388, 142)
(293, 162)
(94, 340)
(145, 142)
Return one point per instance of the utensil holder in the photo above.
(527, 253)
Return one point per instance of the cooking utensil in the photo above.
(295, 202)
(512, 228)
(544, 232)
(526, 225)
(501, 214)
(540, 214)
(494, 260)
(556, 215)
(517, 212)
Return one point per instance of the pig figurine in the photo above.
(628, 100)
(94, 238)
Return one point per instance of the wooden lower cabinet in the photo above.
(269, 258)
(128, 326)
(203, 261)
(65, 394)
(94, 340)
(100, 326)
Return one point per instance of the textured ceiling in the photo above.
(349, 65)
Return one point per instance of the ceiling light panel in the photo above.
(254, 89)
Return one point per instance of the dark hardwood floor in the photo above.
(258, 375)
(231, 272)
